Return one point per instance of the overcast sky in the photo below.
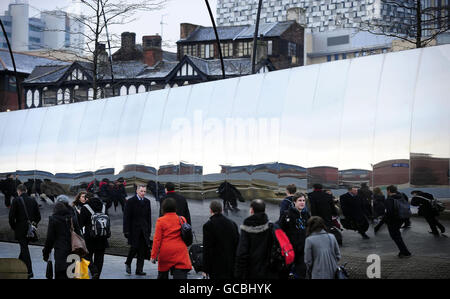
(147, 23)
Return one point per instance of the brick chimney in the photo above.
(128, 40)
(186, 29)
(151, 45)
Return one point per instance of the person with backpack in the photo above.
(59, 235)
(287, 202)
(396, 212)
(253, 254)
(23, 210)
(220, 241)
(424, 201)
(97, 230)
(321, 250)
(293, 223)
(169, 248)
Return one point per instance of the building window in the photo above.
(328, 57)
(29, 99)
(123, 91)
(356, 54)
(90, 94)
(245, 49)
(336, 56)
(60, 97)
(132, 89)
(227, 49)
(66, 96)
(49, 98)
(36, 99)
(141, 89)
(292, 49)
(269, 47)
(344, 55)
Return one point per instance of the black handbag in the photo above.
(32, 234)
(49, 270)
(341, 272)
(186, 232)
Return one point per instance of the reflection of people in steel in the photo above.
(353, 209)
(230, 194)
(8, 188)
(119, 194)
(424, 201)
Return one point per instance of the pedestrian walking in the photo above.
(322, 205)
(354, 212)
(394, 220)
(366, 197)
(79, 201)
(321, 250)
(378, 208)
(9, 188)
(59, 235)
(293, 223)
(255, 243)
(220, 241)
(423, 200)
(169, 248)
(182, 205)
(23, 210)
(95, 243)
(230, 196)
(137, 227)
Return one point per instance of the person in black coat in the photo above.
(18, 221)
(137, 228)
(353, 209)
(9, 188)
(255, 243)
(378, 208)
(293, 223)
(95, 246)
(423, 201)
(393, 221)
(182, 205)
(220, 241)
(287, 202)
(59, 235)
(119, 194)
(366, 197)
(230, 195)
(322, 204)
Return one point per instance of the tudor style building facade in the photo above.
(141, 68)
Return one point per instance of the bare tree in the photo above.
(97, 17)
(410, 21)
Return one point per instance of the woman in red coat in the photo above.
(168, 247)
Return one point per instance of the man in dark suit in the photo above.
(137, 227)
(182, 205)
(353, 209)
(322, 204)
(18, 221)
(220, 241)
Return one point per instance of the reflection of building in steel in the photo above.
(351, 177)
(293, 171)
(281, 169)
(326, 175)
(180, 169)
(236, 169)
(139, 168)
(426, 170)
(391, 172)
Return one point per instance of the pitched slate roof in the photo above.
(237, 32)
(24, 63)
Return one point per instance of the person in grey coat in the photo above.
(321, 250)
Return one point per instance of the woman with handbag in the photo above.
(169, 248)
(321, 250)
(59, 236)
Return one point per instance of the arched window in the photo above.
(29, 99)
(132, 89)
(36, 99)
(59, 97)
(141, 89)
(67, 96)
(123, 91)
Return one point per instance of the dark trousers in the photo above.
(8, 200)
(433, 223)
(25, 254)
(394, 232)
(96, 257)
(362, 226)
(140, 252)
(176, 273)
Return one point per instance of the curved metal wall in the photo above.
(382, 119)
